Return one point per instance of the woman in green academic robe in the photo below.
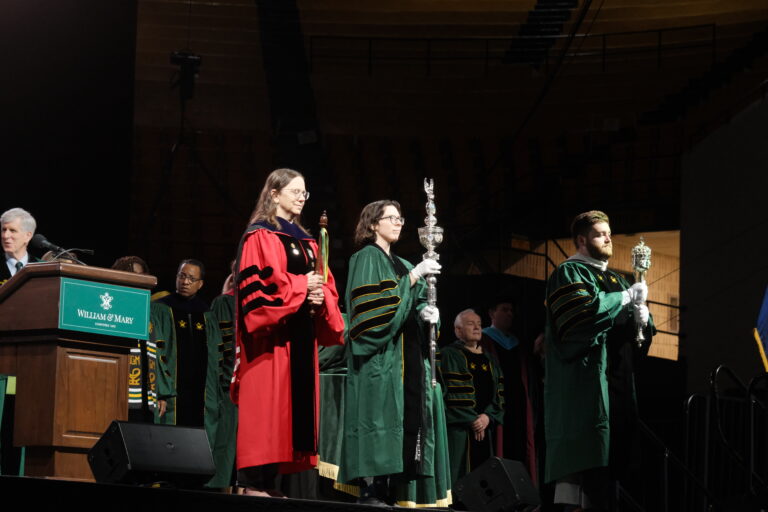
(395, 444)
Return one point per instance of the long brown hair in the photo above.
(370, 215)
(265, 207)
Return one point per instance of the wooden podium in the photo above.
(71, 384)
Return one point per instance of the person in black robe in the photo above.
(192, 344)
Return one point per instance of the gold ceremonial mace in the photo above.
(321, 258)
(322, 247)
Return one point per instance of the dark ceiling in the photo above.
(523, 112)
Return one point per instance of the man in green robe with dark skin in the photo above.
(188, 371)
(590, 407)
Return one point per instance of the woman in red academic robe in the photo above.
(284, 309)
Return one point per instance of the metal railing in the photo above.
(492, 50)
(673, 471)
(725, 440)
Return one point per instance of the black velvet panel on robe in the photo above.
(301, 333)
(191, 358)
(414, 350)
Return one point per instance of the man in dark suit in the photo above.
(17, 226)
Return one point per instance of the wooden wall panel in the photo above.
(91, 386)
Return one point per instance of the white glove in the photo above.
(430, 314)
(638, 293)
(642, 315)
(427, 266)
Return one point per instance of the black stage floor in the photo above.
(50, 494)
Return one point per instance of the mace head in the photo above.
(641, 256)
(429, 187)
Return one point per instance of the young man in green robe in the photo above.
(590, 407)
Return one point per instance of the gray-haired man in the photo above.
(18, 226)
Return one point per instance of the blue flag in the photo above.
(761, 331)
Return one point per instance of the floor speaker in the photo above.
(143, 453)
(498, 485)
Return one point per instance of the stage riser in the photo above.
(52, 494)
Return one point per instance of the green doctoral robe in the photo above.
(379, 304)
(585, 321)
(164, 327)
(460, 403)
(223, 310)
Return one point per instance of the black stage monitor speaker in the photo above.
(143, 453)
(498, 485)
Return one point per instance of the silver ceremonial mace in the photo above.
(430, 236)
(641, 262)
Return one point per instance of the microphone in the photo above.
(40, 242)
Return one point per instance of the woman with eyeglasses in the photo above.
(284, 309)
(395, 444)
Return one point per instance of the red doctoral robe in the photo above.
(275, 387)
